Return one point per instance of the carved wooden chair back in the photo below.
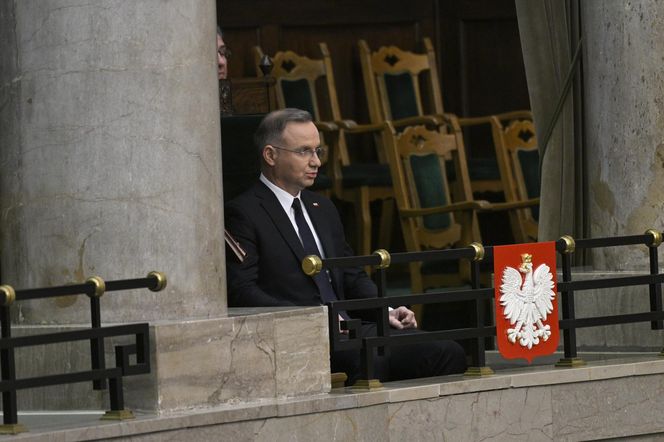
(433, 213)
(393, 81)
(518, 161)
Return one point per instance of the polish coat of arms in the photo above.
(527, 299)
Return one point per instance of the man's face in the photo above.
(293, 171)
(222, 61)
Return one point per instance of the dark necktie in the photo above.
(310, 248)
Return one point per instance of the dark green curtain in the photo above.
(550, 33)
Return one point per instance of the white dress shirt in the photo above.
(286, 201)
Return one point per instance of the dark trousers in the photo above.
(433, 358)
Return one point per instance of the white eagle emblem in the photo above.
(527, 302)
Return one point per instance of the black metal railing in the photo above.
(343, 334)
(566, 246)
(94, 288)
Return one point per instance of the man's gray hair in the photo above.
(219, 33)
(271, 129)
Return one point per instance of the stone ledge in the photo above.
(251, 355)
(424, 396)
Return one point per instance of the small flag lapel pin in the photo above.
(315, 204)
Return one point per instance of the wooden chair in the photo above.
(392, 84)
(393, 79)
(518, 161)
(433, 213)
(297, 80)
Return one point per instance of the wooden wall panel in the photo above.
(477, 42)
(481, 64)
(299, 26)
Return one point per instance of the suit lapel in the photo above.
(276, 213)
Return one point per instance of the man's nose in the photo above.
(315, 160)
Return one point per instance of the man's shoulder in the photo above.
(249, 197)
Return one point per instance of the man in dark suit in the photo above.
(278, 222)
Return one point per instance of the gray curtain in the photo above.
(549, 35)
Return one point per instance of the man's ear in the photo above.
(269, 156)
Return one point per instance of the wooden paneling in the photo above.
(300, 26)
(477, 42)
(481, 64)
(253, 95)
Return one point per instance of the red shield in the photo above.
(526, 300)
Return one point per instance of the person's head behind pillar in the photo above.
(223, 54)
(289, 147)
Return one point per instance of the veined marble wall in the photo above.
(110, 160)
(251, 355)
(624, 126)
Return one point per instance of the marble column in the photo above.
(624, 99)
(110, 158)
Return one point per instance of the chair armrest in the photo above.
(486, 119)
(499, 207)
(352, 127)
(454, 207)
(474, 121)
(326, 126)
(430, 120)
(516, 115)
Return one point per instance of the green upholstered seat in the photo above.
(401, 95)
(518, 160)
(297, 94)
(430, 184)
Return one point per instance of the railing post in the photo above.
(383, 325)
(478, 356)
(97, 357)
(142, 352)
(382, 328)
(570, 358)
(655, 289)
(8, 367)
(9, 412)
(367, 369)
(116, 395)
